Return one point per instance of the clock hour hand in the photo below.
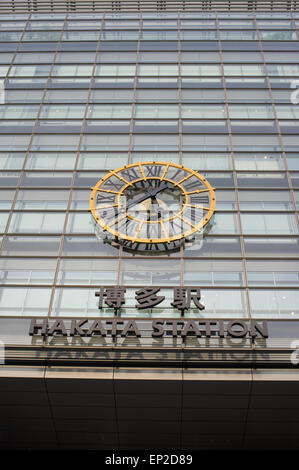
(119, 211)
(151, 194)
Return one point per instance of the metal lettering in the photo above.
(240, 333)
(158, 329)
(191, 328)
(76, 328)
(131, 327)
(58, 327)
(256, 328)
(34, 326)
(96, 328)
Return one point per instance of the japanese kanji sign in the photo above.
(184, 298)
(114, 297)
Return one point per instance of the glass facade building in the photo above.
(86, 92)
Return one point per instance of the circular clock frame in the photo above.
(196, 195)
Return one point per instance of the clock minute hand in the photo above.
(148, 195)
(159, 189)
(138, 200)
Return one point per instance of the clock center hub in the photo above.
(152, 199)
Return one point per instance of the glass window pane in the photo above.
(85, 246)
(278, 35)
(30, 246)
(259, 162)
(156, 111)
(269, 224)
(80, 36)
(50, 161)
(24, 301)
(214, 246)
(157, 70)
(247, 96)
(207, 161)
(224, 224)
(244, 70)
(34, 57)
(213, 273)
(72, 96)
(80, 223)
(202, 111)
(205, 69)
(37, 179)
(273, 273)
(115, 70)
(75, 302)
(27, 271)
(272, 247)
(29, 70)
(150, 272)
(41, 199)
(262, 180)
(223, 303)
(88, 272)
(62, 112)
(11, 161)
(36, 222)
(3, 220)
(265, 200)
(251, 112)
(274, 303)
(292, 161)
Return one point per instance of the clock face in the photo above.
(152, 202)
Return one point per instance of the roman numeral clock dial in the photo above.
(152, 206)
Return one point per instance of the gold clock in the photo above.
(152, 203)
